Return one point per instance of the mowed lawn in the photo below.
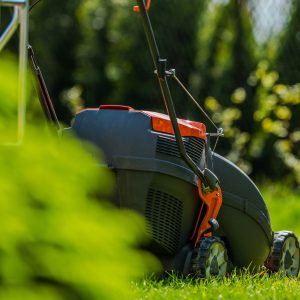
(284, 209)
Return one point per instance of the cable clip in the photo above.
(220, 132)
(171, 73)
(162, 67)
(162, 71)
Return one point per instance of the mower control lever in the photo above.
(211, 180)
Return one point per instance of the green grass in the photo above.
(284, 208)
(238, 287)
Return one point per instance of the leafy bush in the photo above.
(58, 239)
(272, 141)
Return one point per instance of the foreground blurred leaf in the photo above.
(57, 240)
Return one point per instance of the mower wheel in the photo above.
(210, 258)
(285, 254)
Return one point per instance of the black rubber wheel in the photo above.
(210, 258)
(285, 255)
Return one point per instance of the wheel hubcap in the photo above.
(289, 262)
(217, 262)
(214, 268)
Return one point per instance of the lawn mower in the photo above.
(203, 214)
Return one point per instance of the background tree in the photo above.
(288, 62)
(130, 66)
(55, 35)
(92, 53)
(226, 56)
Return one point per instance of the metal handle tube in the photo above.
(45, 99)
(171, 111)
(10, 29)
(149, 33)
(13, 2)
(23, 42)
(20, 16)
(166, 91)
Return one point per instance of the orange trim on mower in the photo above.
(213, 202)
(162, 123)
(136, 8)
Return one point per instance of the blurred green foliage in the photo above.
(93, 18)
(8, 95)
(222, 68)
(94, 52)
(59, 238)
(289, 70)
(273, 143)
(283, 203)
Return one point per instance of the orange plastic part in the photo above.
(136, 8)
(162, 123)
(213, 202)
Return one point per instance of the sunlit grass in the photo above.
(236, 286)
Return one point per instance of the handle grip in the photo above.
(136, 8)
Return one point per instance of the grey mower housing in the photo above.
(155, 181)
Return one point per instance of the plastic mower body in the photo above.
(153, 179)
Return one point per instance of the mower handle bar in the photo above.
(208, 178)
(20, 17)
(13, 2)
(13, 24)
(10, 29)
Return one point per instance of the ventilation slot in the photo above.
(194, 147)
(163, 217)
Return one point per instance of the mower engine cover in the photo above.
(153, 179)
